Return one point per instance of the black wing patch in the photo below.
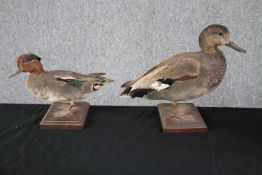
(166, 81)
(140, 92)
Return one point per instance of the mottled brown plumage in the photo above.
(186, 75)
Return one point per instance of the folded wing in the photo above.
(162, 76)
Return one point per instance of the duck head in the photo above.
(216, 35)
(28, 63)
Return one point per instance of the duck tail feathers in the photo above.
(126, 92)
(106, 80)
(100, 77)
(94, 84)
(101, 81)
(128, 84)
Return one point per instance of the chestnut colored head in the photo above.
(28, 63)
(216, 35)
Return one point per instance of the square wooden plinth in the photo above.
(56, 118)
(184, 119)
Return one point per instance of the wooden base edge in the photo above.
(70, 122)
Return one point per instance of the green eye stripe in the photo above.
(31, 57)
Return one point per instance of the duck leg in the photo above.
(71, 106)
(63, 108)
(178, 115)
(173, 105)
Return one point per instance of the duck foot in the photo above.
(71, 107)
(64, 109)
(176, 118)
(63, 113)
(179, 112)
(173, 105)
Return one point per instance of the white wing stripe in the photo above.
(64, 77)
(159, 86)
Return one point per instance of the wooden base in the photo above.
(57, 117)
(184, 118)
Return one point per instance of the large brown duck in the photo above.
(186, 75)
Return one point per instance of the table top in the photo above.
(128, 140)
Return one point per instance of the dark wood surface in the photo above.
(56, 118)
(184, 118)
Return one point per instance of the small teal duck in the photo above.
(58, 85)
(186, 75)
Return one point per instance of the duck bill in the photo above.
(235, 47)
(14, 74)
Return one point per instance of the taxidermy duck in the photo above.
(186, 75)
(58, 85)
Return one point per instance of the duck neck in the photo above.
(38, 69)
(206, 44)
(35, 67)
(209, 49)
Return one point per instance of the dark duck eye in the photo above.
(221, 33)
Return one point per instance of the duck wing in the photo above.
(162, 76)
(64, 74)
(85, 82)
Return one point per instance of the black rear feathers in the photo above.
(140, 92)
